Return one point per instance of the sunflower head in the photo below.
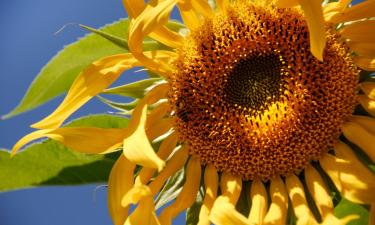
(250, 98)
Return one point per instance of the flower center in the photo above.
(254, 82)
(250, 98)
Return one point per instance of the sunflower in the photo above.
(263, 101)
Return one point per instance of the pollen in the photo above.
(250, 98)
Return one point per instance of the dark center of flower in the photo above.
(254, 82)
(250, 98)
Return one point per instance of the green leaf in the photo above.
(56, 77)
(50, 163)
(112, 38)
(345, 208)
(192, 213)
(136, 89)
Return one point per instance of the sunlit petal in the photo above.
(211, 182)
(188, 193)
(259, 204)
(277, 211)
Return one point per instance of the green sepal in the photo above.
(346, 208)
(124, 108)
(192, 213)
(50, 163)
(112, 38)
(136, 89)
(171, 189)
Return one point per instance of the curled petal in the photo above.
(360, 136)
(259, 205)
(189, 15)
(231, 186)
(160, 33)
(368, 104)
(298, 199)
(137, 147)
(144, 25)
(368, 88)
(174, 164)
(356, 179)
(277, 212)
(165, 150)
(188, 193)
(90, 140)
(315, 21)
(366, 122)
(94, 79)
(366, 63)
(314, 17)
(225, 213)
(222, 4)
(362, 10)
(119, 183)
(211, 182)
(145, 211)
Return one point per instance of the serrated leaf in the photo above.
(171, 189)
(192, 213)
(50, 163)
(136, 89)
(345, 208)
(58, 74)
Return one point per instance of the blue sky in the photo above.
(27, 43)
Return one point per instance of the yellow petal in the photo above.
(143, 25)
(94, 79)
(189, 15)
(298, 199)
(319, 192)
(364, 121)
(357, 180)
(367, 103)
(362, 48)
(211, 182)
(361, 137)
(277, 212)
(259, 205)
(368, 88)
(174, 164)
(145, 212)
(137, 147)
(222, 4)
(314, 17)
(202, 7)
(160, 128)
(134, 7)
(366, 63)
(28, 138)
(362, 10)
(224, 213)
(359, 32)
(286, 3)
(231, 186)
(165, 150)
(119, 183)
(90, 140)
(160, 33)
(157, 114)
(187, 195)
(333, 8)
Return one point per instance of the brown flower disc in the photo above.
(250, 98)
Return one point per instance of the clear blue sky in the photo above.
(27, 42)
